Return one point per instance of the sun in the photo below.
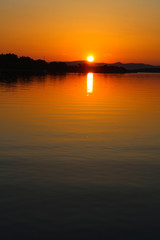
(90, 58)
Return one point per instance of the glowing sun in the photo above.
(90, 58)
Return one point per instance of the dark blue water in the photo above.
(80, 161)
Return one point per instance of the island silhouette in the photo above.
(11, 63)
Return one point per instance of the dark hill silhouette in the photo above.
(134, 66)
(11, 63)
(128, 66)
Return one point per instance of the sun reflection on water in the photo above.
(89, 83)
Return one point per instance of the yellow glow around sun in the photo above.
(90, 58)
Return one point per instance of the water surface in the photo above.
(80, 157)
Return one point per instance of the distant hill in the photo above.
(133, 66)
(76, 63)
(128, 66)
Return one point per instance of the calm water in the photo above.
(80, 157)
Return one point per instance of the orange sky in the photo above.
(60, 30)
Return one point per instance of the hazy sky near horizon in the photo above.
(117, 30)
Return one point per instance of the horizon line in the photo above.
(43, 59)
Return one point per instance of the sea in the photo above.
(80, 157)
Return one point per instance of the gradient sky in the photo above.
(65, 30)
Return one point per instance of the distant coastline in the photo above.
(12, 64)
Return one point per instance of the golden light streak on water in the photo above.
(89, 82)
